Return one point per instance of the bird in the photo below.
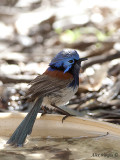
(54, 88)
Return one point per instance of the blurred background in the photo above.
(33, 31)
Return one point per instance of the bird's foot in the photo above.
(63, 111)
(44, 111)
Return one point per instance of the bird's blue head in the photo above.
(67, 60)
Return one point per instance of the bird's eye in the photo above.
(70, 61)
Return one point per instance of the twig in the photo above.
(15, 79)
(100, 59)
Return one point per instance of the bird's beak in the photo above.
(80, 60)
(83, 59)
(78, 63)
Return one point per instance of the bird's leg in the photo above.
(63, 111)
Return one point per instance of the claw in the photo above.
(65, 117)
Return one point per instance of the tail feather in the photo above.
(25, 127)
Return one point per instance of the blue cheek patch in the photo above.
(67, 66)
(67, 69)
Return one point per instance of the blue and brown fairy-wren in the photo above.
(54, 88)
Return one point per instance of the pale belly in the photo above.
(59, 98)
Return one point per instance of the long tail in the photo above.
(25, 127)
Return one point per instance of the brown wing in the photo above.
(43, 85)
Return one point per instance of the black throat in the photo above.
(75, 72)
